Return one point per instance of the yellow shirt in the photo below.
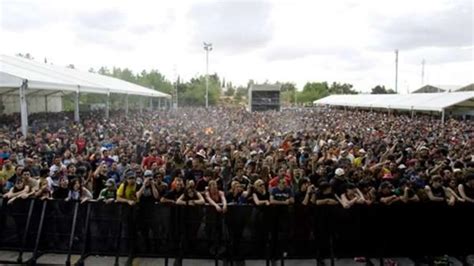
(358, 161)
(130, 192)
(6, 174)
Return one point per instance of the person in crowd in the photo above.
(109, 193)
(19, 190)
(127, 191)
(98, 178)
(177, 189)
(236, 194)
(282, 194)
(148, 192)
(325, 195)
(78, 192)
(406, 192)
(386, 194)
(466, 189)
(191, 196)
(215, 197)
(437, 192)
(62, 191)
(351, 196)
(305, 191)
(368, 191)
(260, 195)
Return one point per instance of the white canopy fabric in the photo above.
(418, 102)
(43, 78)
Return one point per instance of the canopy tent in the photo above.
(438, 102)
(23, 77)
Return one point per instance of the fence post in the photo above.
(119, 236)
(73, 231)
(40, 230)
(25, 233)
(86, 235)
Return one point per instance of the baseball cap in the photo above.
(148, 173)
(110, 182)
(339, 172)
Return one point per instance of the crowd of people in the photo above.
(223, 156)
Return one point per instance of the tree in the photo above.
(288, 90)
(380, 89)
(230, 91)
(313, 91)
(240, 93)
(338, 88)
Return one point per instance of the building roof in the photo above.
(43, 78)
(420, 102)
(265, 87)
(469, 87)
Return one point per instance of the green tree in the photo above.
(338, 88)
(240, 93)
(380, 89)
(313, 91)
(288, 91)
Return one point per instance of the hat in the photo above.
(424, 148)
(130, 174)
(103, 149)
(253, 153)
(148, 173)
(362, 151)
(339, 172)
(201, 153)
(225, 158)
(110, 182)
(456, 170)
(402, 166)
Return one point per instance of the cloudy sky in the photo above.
(346, 41)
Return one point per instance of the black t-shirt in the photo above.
(469, 191)
(60, 193)
(202, 184)
(338, 185)
(320, 195)
(261, 196)
(438, 192)
(299, 197)
(98, 184)
(173, 194)
(147, 196)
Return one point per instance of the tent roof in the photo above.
(420, 102)
(43, 77)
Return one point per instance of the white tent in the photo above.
(23, 77)
(438, 102)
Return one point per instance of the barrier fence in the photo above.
(243, 232)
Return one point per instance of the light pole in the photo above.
(208, 48)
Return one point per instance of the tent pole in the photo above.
(126, 105)
(46, 103)
(107, 105)
(151, 104)
(412, 113)
(159, 103)
(76, 105)
(141, 105)
(442, 116)
(24, 107)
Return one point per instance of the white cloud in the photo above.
(346, 41)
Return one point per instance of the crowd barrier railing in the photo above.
(243, 232)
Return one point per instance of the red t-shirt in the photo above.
(148, 161)
(274, 181)
(81, 144)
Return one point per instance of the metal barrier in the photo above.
(243, 232)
